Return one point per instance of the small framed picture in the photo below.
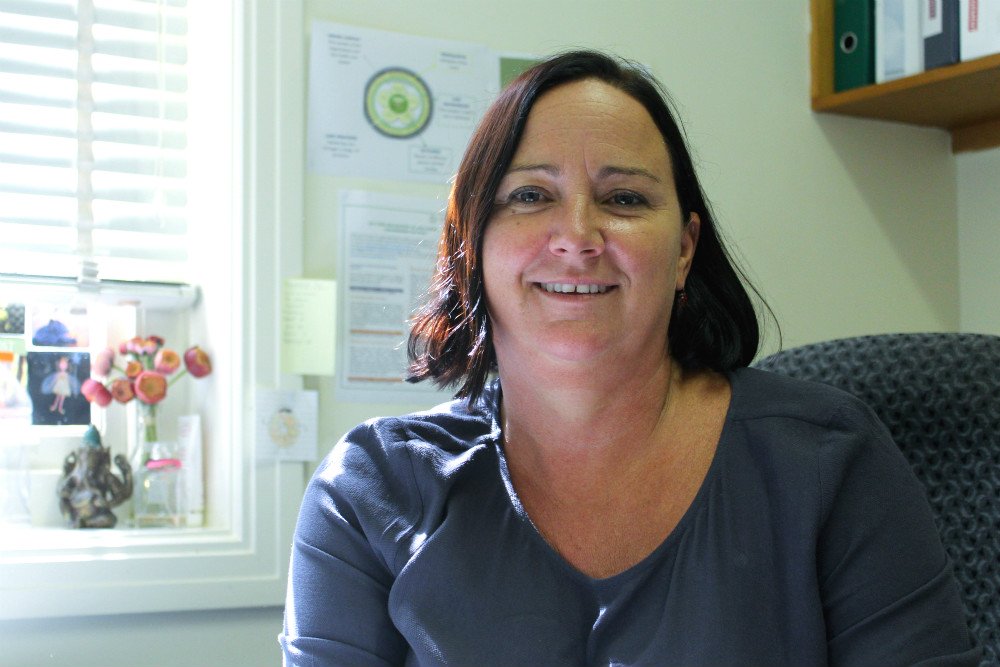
(15, 406)
(11, 318)
(59, 326)
(54, 381)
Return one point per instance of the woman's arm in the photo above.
(889, 594)
(336, 610)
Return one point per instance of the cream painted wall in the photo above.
(979, 241)
(848, 226)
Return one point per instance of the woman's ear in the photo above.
(689, 243)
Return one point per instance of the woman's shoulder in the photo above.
(805, 423)
(390, 477)
(416, 443)
(813, 440)
(760, 394)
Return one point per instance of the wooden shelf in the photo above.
(963, 98)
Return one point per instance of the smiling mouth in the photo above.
(569, 288)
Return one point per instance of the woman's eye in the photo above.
(627, 199)
(526, 196)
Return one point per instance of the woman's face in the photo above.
(587, 244)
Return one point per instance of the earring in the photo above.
(681, 298)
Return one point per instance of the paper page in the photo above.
(391, 106)
(287, 424)
(308, 323)
(388, 248)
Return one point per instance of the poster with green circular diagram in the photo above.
(398, 103)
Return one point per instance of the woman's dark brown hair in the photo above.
(450, 340)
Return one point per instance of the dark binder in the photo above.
(943, 48)
(853, 43)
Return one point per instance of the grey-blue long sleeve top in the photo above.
(810, 542)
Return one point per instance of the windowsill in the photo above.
(47, 544)
(49, 572)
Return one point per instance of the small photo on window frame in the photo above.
(15, 405)
(59, 326)
(54, 381)
(11, 318)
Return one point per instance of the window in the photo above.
(146, 224)
(93, 118)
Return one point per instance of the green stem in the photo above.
(171, 381)
(149, 424)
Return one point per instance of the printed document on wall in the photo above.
(391, 106)
(388, 246)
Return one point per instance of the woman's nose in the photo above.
(577, 230)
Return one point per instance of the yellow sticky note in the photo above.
(308, 323)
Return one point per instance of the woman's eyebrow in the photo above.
(547, 168)
(605, 172)
(613, 170)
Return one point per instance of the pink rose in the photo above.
(121, 390)
(150, 387)
(95, 392)
(103, 361)
(150, 345)
(167, 361)
(197, 361)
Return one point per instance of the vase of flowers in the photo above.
(143, 370)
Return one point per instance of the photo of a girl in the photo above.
(54, 380)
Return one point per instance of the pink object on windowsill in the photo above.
(157, 464)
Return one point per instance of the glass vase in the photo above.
(157, 498)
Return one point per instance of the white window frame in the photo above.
(69, 572)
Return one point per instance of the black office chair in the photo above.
(939, 395)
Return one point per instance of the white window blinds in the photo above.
(92, 139)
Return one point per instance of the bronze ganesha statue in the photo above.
(89, 488)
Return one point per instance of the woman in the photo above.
(626, 491)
